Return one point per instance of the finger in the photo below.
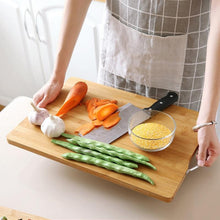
(43, 102)
(37, 98)
(212, 156)
(210, 160)
(202, 152)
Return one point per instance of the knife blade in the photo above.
(109, 135)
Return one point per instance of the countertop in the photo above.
(39, 186)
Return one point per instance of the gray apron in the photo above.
(154, 46)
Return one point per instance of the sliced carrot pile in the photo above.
(101, 112)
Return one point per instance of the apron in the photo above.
(151, 47)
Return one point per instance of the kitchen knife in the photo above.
(109, 135)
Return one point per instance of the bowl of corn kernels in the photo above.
(151, 130)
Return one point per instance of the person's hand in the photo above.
(209, 146)
(47, 93)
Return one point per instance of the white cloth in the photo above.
(150, 60)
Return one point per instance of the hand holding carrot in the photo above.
(48, 93)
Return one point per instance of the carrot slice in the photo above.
(90, 103)
(105, 101)
(97, 102)
(92, 114)
(111, 120)
(103, 111)
(85, 128)
(93, 103)
(90, 106)
(74, 97)
(97, 123)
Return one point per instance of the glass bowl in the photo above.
(151, 130)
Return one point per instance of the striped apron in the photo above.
(151, 47)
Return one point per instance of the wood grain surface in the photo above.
(1, 107)
(12, 214)
(172, 163)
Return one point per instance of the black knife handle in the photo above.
(164, 102)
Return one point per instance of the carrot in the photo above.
(103, 111)
(91, 102)
(85, 128)
(91, 113)
(97, 102)
(111, 120)
(74, 97)
(97, 123)
(91, 105)
(105, 101)
(98, 111)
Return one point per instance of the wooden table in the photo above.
(171, 163)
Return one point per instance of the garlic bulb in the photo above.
(53, 126)
(37, 116)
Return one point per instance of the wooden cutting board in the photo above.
(172, 163)
(12, 214)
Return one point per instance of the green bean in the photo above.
(108, 147)
(107, 165)
(93, 146)
(96, 154)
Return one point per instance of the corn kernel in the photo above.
(148, 131)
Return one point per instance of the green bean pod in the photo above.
(92, 153)
(107, 165)
(91, 145)
(107, 146)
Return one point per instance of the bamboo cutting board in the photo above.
(172, 163)
(12, 214)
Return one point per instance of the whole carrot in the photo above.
(74, 97)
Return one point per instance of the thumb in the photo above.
(202, 152)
